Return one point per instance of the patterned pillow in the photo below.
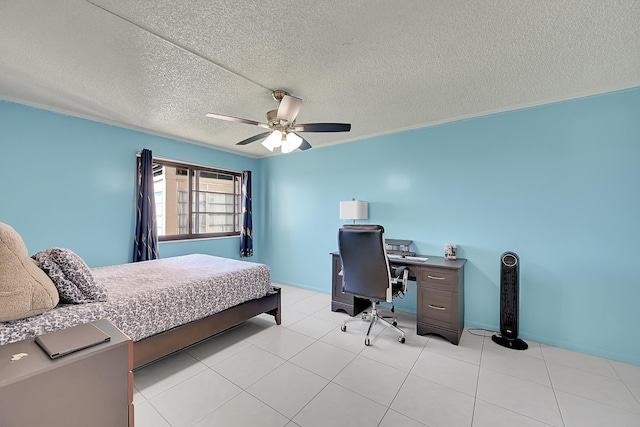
(70, 274)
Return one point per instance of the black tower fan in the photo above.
(509, 300)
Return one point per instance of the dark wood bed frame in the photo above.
(154, 347)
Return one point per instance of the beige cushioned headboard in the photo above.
(25, 290)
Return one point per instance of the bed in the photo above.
(163, 305)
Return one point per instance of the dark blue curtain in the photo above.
(246, 239)
(145, 246)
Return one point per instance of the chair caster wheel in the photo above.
(395, 323)
(343, 328)
(401, 339)
(367, 342)
(393, 309)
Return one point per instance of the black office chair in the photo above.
(367, 274)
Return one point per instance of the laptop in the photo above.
(64, 341)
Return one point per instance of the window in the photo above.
(194, 202)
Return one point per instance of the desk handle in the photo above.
(435, 307)
(435, 277)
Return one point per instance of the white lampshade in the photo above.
(291, 142)
(354, 209)
(273, 141)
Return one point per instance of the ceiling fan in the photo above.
(282, 125)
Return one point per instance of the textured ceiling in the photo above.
(160, 65)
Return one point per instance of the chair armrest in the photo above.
(401, 275)
(405, 279)
(397, 272)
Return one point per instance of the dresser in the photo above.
(90, 387)
(439, 299)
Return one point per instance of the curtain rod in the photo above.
(164, 159)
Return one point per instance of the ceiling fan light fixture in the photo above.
(282, 125)
(273, 141)
(291, 142)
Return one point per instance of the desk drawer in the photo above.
(438, 307)
(440, 278)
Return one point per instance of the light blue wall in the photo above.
(557, 184)
(69, 182)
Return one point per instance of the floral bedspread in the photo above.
(149, 297)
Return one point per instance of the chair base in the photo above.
(374, 317)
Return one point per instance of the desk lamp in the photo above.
(354, 209)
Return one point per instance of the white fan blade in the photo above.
(289, 108)
(254, 138)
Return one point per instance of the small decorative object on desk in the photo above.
(450, 251)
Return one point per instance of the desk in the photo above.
(440, 294)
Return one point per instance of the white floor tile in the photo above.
(138, 397)
(487, 415)
(469, 349)
(243, 410)
(515, 363)
(626, 371)
(353, 338)
(389, 351)
(194, 398)
(147, 416)
(524, 397)
(288, 388)
(166, 373)
(596, 387)
(291, 295)
(408, 323)
(337, 406)
(323, 359)
(449, 372)
(433, 404)
(396, 419)
(218, 348)
(573, 359)
(310, 305)
(581, 412)
(257, 329)
(289, 317)
(248, 366)
(306, 372)
(285, 343)
(371, 379)
(313, 326)
(630, 375)
(320, 298)
(333, 316)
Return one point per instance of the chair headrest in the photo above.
(363, 227)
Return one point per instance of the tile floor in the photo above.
(307, 372)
